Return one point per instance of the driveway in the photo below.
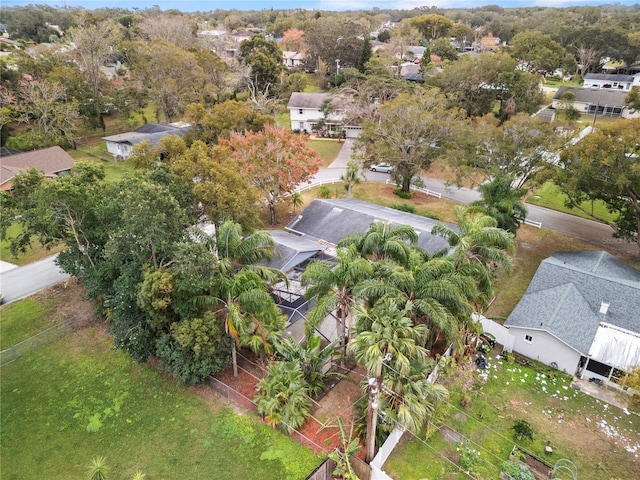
(20, 282)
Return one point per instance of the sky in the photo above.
(331, 5)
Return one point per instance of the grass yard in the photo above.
(550, 196)
(33, 253)
(24, 319)
(327, 149)
(74, 399)
(602, 441)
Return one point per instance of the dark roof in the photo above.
(50, 161)
(331, 220)
(566, 293)
(610, 77)
(413, 77)
(292, 249)
(602, 96)
(154, 128)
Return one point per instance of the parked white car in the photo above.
(381, 167)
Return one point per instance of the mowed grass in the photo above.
(327, 149)
(34, 252)
(24, 319)
(602, 441)
(72, 400)
(550, 196)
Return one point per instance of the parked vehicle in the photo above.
(381, 167)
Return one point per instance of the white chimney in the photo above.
(604, 307)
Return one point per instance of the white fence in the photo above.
(317, 183)
(418, 189)
(533, 223)
(499, 332)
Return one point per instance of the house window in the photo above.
(301, 126)
(528, 338)
(300, 111)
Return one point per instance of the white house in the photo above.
(596, 101)
(607, 80)
(121, 145)
(292, 60)
(581, 314)
(307, 115)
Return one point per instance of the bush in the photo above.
(404, 207)
(325, 191)
(522, 429)
(402, 194)
(517, 471)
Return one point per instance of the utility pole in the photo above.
(375, 384)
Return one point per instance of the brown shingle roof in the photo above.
(50, 161)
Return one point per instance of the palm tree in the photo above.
(388, 344)
(282, 396)
(503, 202)
(350, 177)
(296, 201)
(382, 241)
(249, 314)
(439, 294)
(98, 468)
(478, 240)
(333, 286)
(240, 289)
(311, 358)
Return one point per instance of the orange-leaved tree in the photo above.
(275, 161)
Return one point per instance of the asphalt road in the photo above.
(20, 282)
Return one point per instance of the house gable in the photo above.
(50, 161)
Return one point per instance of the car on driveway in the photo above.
(381, 167)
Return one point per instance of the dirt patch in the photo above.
(451, 436)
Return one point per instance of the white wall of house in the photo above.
(118, 149)
(544, 347)
(625, 86)
(302, 118)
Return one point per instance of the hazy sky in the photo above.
(336, 5)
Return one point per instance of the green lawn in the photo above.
(72, 400)
(35, 252)
(600, 440)
(550, 196)
(24, 319)
(327, 149)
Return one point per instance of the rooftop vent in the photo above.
(604, 307)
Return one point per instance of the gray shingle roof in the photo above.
(331, 220)
(565, 295)
(594, 95)
(315, 100)
(609, 77)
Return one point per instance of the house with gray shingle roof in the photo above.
(121, 145)
(580, 314)
(613, 81)
(51, 161)
(596, 101)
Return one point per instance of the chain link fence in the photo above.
(45, 337)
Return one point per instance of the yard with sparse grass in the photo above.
(602, 441)
(76, 398)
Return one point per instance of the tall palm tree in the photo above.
(479, 247)
(382, 241)
(333, 286)
(388, 344)
(239, 291)
(503, 202)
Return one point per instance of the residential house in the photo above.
(597, 101)
(53, 161)
(613, 81)
(121, 145)
(314, 234)
(292, 60)
(311, 112)
(581, 314)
